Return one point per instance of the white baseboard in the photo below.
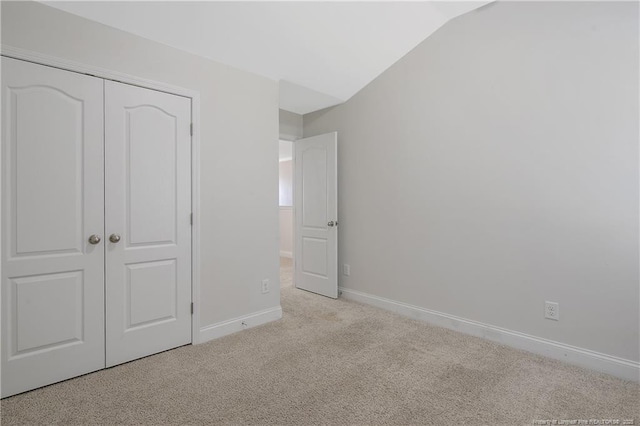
(286, 254)
(231, 326)
(619, 367)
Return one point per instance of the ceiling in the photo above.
(322, 53)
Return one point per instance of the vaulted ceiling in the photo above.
(322, 53)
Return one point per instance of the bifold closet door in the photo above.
(148, 221)
(52, 225)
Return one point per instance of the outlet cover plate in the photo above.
(552, 311)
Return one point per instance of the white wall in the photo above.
(290, 125)
(239, 172)
(495, 167)
(286, 231)
(286, 208)
(286, 183)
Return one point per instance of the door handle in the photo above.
(114, 238)
(94, 239)
(331, 224)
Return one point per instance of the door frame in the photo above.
(194, 95)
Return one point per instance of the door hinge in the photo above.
(191, 308)
(191, 218)
(191, 129)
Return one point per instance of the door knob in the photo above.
(114, 238)
(331, 224)
(94, 239)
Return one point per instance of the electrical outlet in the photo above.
(265, 286)
(346, 270)
(552, 311)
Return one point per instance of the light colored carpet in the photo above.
(286, 272)
(332, 362)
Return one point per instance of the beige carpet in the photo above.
(286, 272)
(332, 362)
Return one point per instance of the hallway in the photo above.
(286, 272)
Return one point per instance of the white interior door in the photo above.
(52, 202)
(316, 214)
(148, 221)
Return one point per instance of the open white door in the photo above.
(316, 214)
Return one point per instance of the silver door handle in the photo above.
(114, 238)
(94, 239)
(332, 224)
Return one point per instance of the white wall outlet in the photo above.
(346, 270)
(265, 286)
(552, 311)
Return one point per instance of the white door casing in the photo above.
(148, 205)
(52, 201)
(316, 214)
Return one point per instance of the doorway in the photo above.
(308, 213)
(286, 212)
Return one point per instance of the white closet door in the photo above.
(148, 199)
(52, 202)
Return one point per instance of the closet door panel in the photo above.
(148, 201)
(52, 202)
